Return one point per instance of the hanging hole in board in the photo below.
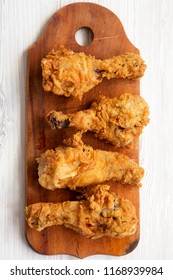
(84, 36)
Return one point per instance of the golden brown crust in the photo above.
(68, 73)
(72, 74)
(117, 120)
(81, 165)
(101, 214)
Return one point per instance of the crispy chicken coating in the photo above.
(117, 120)
(72, 74)
(80, 166)
(102, 213)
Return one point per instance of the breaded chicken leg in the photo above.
(101, 214)
(117, 120)
(80, 166)
(73, 74)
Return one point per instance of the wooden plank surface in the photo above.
(109, 40)
(148, 25)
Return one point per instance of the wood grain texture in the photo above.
(148, 25)
(109, 40)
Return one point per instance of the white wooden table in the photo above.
(149, 26)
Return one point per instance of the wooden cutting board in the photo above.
(109, 40)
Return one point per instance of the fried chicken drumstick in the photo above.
(117, 120)
(80, 166)
(72, 74)
(101, 214)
